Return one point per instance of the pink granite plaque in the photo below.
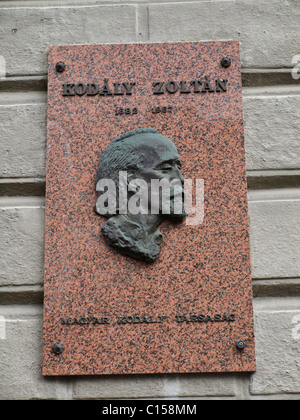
(184, 305)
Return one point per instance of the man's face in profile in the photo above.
(139, 183)
(162, 162)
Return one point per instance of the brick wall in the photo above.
(269, 34)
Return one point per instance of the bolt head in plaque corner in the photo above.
(240, 345)
(226, 62)
(60, 67)
(58, 348)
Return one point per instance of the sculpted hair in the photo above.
(122, 154)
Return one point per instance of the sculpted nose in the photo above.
(181, 178)
(178, 175)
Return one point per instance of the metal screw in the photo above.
(60, 67)
(226, 62)
(240, 345)
(58, 348)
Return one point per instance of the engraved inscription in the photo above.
(125, 111)
(162, 109)
(195, 86)
(201, 85)
(136, 319)
(92, 89)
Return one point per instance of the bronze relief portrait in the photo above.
(139, 184)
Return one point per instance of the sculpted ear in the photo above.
(131, 174)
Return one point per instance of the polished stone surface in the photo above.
(185, 311)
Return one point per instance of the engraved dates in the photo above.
(120, 110)
(125, 111)
(162, 109)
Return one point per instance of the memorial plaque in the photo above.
(138, 282)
